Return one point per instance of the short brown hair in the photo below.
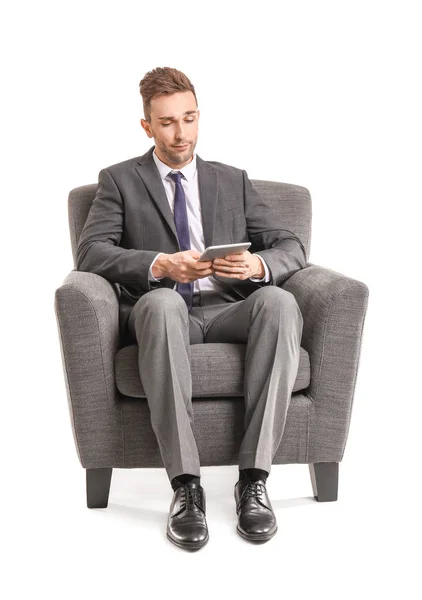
(162, 80)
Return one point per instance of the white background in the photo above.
(321, 94)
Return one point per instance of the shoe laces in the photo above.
(253, 489)
(191, 497)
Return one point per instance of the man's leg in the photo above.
(161, 325)
(269, 321)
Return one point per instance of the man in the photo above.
(150, 220)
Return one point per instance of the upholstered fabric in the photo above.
(334, 308)
(217, 370)
(218, 429)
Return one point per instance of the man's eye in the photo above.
(167, 124)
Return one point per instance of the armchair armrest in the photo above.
(87, 313)
(333, 307)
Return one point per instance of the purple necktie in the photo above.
(182, 228)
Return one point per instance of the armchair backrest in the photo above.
(292, 201)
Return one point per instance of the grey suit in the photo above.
(130, 221)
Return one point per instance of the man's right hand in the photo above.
(183, 267)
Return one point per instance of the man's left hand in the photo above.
(241, 265)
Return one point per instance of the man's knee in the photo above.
(273, 296)
(162, 298)
(160, 301)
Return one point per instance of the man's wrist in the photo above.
(159, 267)
(267, 274)
(261, 270)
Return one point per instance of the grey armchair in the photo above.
(108, 408)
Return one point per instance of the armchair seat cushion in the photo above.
(217, 371)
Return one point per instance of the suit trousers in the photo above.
(269, 322)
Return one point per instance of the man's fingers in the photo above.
(229, 263)
(203, 274)
(201, 265)
(227, 266)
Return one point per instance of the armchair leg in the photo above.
(98, 487)
(324, 477)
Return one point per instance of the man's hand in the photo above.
(241, 265)
(183, 267)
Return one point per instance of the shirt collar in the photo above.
(188, 170)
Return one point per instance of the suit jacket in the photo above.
(130, 221)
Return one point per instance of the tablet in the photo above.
(220, 251)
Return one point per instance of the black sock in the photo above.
(185, 478)
(253, 474)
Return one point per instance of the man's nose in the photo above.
(180, 132)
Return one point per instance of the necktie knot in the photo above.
(177, 176)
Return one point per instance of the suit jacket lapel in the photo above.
(149, 174)
(208, 192)
(208, 196)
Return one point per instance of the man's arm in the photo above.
(281, 249)
(98, 247)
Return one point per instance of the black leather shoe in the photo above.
(256, 519)
(187, 525)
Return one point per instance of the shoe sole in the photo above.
(188, 545)
(262, 537)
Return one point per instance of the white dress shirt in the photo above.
(190, 185)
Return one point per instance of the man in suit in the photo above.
(150, 220)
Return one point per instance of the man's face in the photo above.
(174, 122)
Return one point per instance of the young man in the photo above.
(150, 220)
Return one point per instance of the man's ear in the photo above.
(145, 126)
